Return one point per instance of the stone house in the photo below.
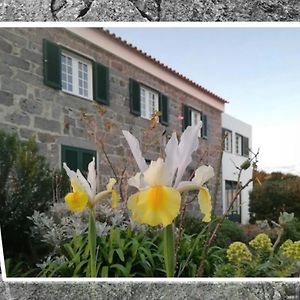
(53, 80)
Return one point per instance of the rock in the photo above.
(149, 290)
(150, 10)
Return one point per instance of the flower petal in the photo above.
(77, 201)
(203, 174)
(114, 197)
(85, 184)
(154, 206)
(185, 186)
(157, 173)
(189, 143)
(110, 185)
(76, 184)
(136, 151)
(137, 181)
(172, 158)
(204, 200)
(92, 177)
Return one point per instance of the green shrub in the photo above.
(25, 186)
(228, 233)
(191, 224)
(275, 196)
(292, 230)
(190, 253)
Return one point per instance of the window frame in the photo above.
(148, 114)
(229, 134)
(244, 141)
(76, 59)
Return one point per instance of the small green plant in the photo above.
(16, 268)
(122, 253)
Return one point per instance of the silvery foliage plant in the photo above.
(58, 225)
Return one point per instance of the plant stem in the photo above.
(92, 243)
(279, 236)
(169, 253)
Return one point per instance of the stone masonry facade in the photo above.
(29, 107)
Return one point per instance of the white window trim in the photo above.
(147, 112)
(75, 76)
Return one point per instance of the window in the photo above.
(238, 144)
(145, 101)
(241, 145)
(195, 119)
(77, 158)
(227, 135)
(73, 73)
(192, 117)
(230, 192)
(149, 102)
(76, 75)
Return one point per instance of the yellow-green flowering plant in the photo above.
(84, 196)
(262, 243)
(160, 186)
(238, 253)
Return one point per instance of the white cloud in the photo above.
(279, 147)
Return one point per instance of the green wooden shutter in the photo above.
(164, 109)
(135, 97)
(52, 64)
(100, 84)
(187, 115)
(204, 125)
(245, 148)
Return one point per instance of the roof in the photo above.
(166, 67)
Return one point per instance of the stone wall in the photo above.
(149, 10)
(150, 290)
(28, 107)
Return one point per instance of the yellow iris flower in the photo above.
(84, 190)
(158, 200)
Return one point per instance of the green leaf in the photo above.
(121, 268)
(104, 271)
(77, 270)
(120, 254)
(111, 255)
(70, 252)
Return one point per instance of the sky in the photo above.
(256, 69)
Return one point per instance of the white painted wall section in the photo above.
(229, 171)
